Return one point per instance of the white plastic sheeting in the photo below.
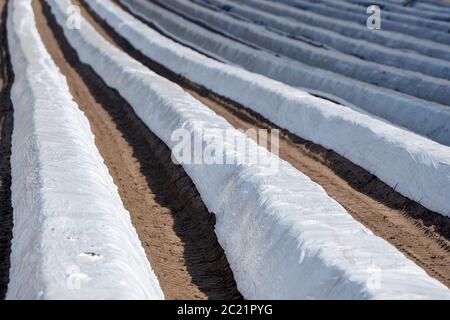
(390, 15)
(72, 237)
(356, 31)
(411, 10)
(248, 9)
(417, 167)
(420, 116)
(439, 36)
(283, 236)
(411, 83)
(430, 5)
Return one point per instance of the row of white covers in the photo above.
(284, 237)
(72, 237)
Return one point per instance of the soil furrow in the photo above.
(6, 128)
(421, 235)
(174, 226)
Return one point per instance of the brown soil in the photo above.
(422, 235)
(6, 127)
(173, 224)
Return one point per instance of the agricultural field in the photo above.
(224, 149)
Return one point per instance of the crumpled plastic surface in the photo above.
(284, 237)
(424, 117)
(416, 167)
(72, 237)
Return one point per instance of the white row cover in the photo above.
(388, 14)
(411, 10)
(282, 234)
(420, 32)
(415, 166)
(72, 237)
(405, 81)
(253, 10)
(429, 5)
(353, 30)
(420, 116)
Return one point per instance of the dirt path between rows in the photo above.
(422, 235)
(173, 224)
(6, 127)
